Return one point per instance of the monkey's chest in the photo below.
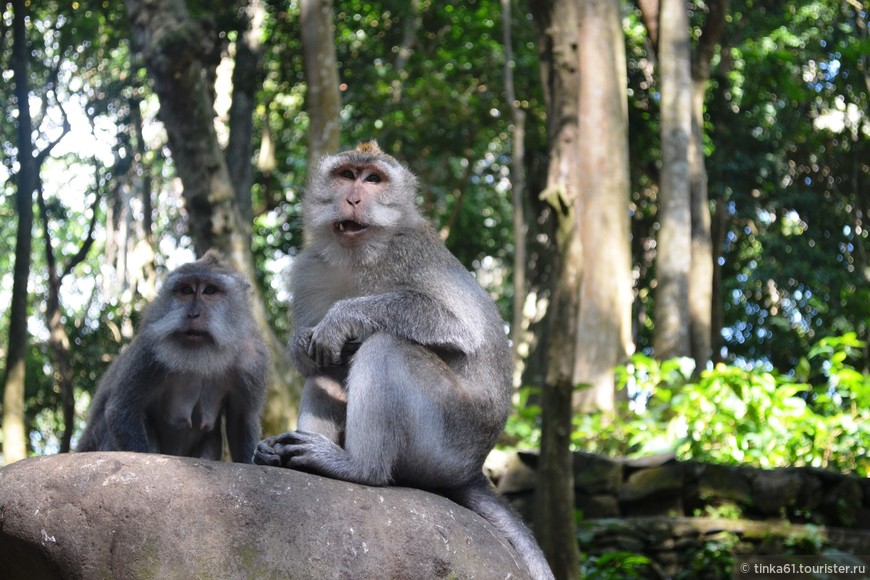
(320, 286)
(191, 402)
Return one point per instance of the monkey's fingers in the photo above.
(324, 356)
(265, 455)
(289, 437)
(296, 443)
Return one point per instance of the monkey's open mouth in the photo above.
(348, 227)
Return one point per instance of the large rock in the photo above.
(129, 515)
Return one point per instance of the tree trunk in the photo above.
(604, 331)
(322, 101)
(701, 283)
(58, 340)
(147, 278)
(173, 46)
(557, 25)
(246, 82)
(14, 432)
(701, 280)
(518, 187)
(674, 243)
(412, 21)
(718, 231)
(540, 271)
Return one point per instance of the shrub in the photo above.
(817, 414)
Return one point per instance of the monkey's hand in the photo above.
(300, 345)
(337, 336)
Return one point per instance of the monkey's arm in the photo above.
(243, 430)
(136, 384)
(410, 314)
(245, 404)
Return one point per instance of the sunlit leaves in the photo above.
(788, 148)
(817, 414)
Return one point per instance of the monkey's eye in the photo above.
(187, 290)
(374, 178)
(210, 289)
(347, 174)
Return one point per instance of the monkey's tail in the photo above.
(480, 498)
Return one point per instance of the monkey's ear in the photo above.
(369, 147)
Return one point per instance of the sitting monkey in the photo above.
(198, 361)
(407, 366)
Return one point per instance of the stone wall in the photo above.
(673, 510)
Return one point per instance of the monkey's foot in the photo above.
(265, 453)
(296, 449)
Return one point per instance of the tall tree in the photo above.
(604, 329)
(556, 22)
(247, 75)
(14, 435)
(673, 246)
(323, 100)
(518, 184)
(58, 339)
(175, 48)
(700, 305)
(702, 266)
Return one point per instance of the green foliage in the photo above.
(786, 168)
(714, 559)
(615, 566)
(728, 511)
(736, 415)
(523, 426)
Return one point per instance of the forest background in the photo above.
(667, 199)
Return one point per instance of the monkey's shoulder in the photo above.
(432, 270)
(420, 247)
(137, 357)
(422, 261)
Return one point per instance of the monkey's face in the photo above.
(362, 200)
(356, 201)
(197, 300)
(197, 321)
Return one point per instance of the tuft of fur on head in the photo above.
(212, 262)
(370, 147)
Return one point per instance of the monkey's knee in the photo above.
(385, 359)
(381, 352)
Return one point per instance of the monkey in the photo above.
(405, 356)
(196, 369)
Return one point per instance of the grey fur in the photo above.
(426, 394)
(168, 393)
